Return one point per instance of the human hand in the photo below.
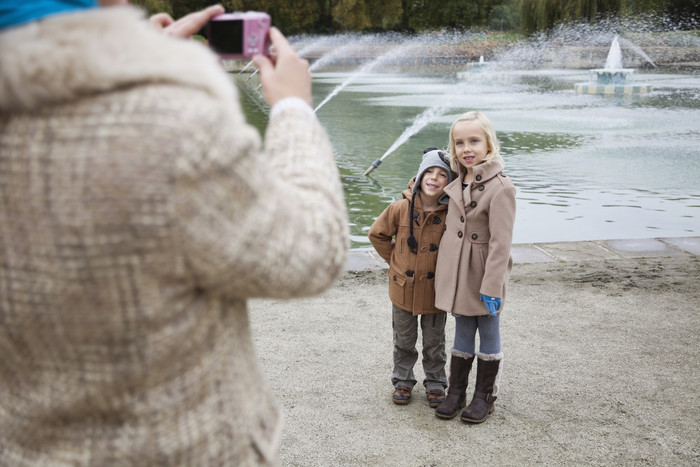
(492, 304)
(186, 26)
(284, 73)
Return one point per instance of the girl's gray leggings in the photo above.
(489, 334)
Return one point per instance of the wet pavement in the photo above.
(367, 259)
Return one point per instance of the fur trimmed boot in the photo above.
(488, 372)
(460, 365)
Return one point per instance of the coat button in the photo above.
(436, 220)
(481, 187)
(394, 277)
(473, 204)
(459, 234)
(474, 236)
(433, 247)
(478, 178)
(431, 275)
(461, 218)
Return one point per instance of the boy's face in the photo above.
(471, 144)
(433, 182)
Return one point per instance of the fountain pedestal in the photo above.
(611, 82)
(605, 77)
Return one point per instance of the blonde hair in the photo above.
(494, 151)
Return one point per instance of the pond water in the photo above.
(586, 167)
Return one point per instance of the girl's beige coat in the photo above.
(138, 213)
(474, 256)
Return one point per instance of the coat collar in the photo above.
(485, 171)
(73, 55)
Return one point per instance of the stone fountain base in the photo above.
(612, 89)
(612, 82)
(618, 76)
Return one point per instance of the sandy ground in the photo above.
(600, 368)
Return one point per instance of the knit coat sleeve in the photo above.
(383, 230)
(263, 223)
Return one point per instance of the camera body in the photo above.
(239, 35)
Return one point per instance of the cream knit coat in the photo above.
(137, 214)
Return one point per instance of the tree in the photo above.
(545, 14)
(351, 15)
(154, 6)
(384, 14)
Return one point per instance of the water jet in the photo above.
(613, 79)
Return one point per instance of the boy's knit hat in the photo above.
(433, 157)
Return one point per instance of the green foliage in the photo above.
(545, 14)
(154, 6)
(385, 14)
(505, 17)
(327, 16)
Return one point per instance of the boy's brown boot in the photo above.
(485, 392)
(457, 390)
(402, 396)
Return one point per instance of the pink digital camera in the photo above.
(240, 35)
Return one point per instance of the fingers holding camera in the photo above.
(161, 20)
(284, 74)
(188, 25)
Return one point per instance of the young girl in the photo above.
(474, 263)
(417, 223)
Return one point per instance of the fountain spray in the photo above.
(420, 122)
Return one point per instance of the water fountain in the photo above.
(473, 69)
(389, 55)
(613, 79)
(420, 122)
(565, 154)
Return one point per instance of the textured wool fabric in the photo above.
(138, 212)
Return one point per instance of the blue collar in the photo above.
(14, 13)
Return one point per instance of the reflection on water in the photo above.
(586, 167)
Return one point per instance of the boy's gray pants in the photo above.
(405, 327)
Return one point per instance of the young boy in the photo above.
(407, 235)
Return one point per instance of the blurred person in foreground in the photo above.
(138, 213)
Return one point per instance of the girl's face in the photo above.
(470, 142)
(433, 182)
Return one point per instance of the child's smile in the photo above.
(433, 182)
(471, 144)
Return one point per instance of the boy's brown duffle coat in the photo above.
(475, 249)
(411, 275)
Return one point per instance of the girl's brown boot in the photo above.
(487, 375)
(460, 364)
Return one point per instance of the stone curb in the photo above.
(363, 259)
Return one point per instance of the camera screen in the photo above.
(226, 37)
